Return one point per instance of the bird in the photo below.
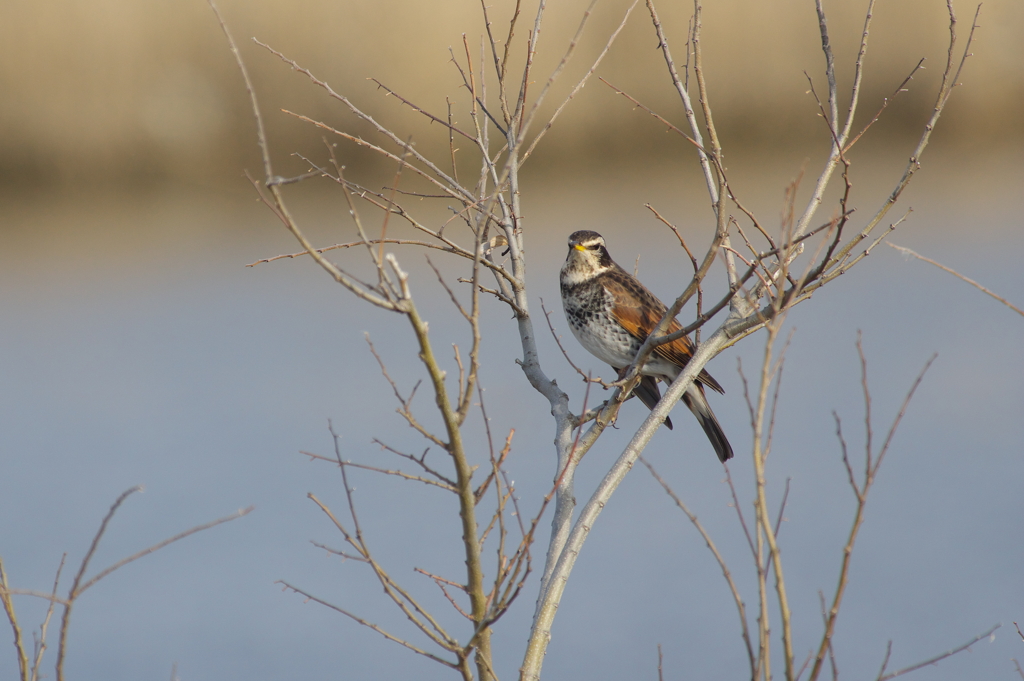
(611, 314)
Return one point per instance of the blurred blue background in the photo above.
(137, 348)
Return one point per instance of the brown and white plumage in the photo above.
(611, 314)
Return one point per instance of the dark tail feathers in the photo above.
(698, 404)
(648, 392)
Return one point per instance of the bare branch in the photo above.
(65, 620)
(43, 628)
(261, 136)
(451, 184)
(156, 547)
(413, 611)
(77, 587)
(861, 492)
(370, 625)
(417, 109)
(684, 95)
(441, 582)
(939, 658)
(5, 598)
(558, 341)
(907, 251)
(718, 557)
(582, 82)
(387, 471)
(885, 103)
(885, 660)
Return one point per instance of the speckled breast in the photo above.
(586, 309)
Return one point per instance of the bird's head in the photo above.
(589, 246)
(587, 256)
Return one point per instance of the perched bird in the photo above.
(611, 314)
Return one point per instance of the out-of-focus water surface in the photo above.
(138, 349)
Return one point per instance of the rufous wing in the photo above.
(639, 311)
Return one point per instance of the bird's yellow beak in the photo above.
(579, 247)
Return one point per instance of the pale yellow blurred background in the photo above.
(116, 91)
(137, 347)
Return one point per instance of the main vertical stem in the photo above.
(764, 522)
(467, 500)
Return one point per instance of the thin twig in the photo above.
(885, 660)
(940, 657)
(741, 608)
(441, 582)
(558, 340)
(5, 598)
(156, 547)
(885, 103)
(370, 625)
(65, 620)
(387, 471)
(906, 251)
(873, 464)
(426, 113)
(43, 628)
(579, 85)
